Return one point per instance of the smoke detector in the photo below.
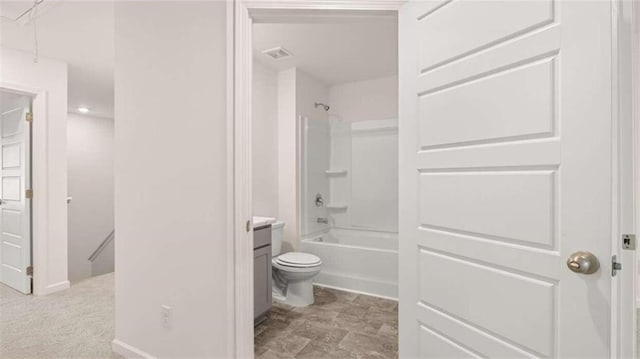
(277, 53)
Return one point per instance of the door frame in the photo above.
(240, 18)
(625, 174)
(39, 185)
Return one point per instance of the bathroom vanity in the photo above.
(261, 271)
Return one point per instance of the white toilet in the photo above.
(292, 272)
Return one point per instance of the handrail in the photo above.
(102, 246)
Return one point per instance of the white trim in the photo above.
(243, 257)
(355, 291)
(39, 184)
(624, 170)
(635, 61)
(240, 37)
(129, 351)
(56, 287)
(231, 277)
(289, 6)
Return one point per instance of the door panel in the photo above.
(501, 310)
(15, 208)
(435, 345)
(505, 170)
(499, 20)
(517, 114)
(514, 206)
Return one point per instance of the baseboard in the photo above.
(356, 291)
(366, 286)
(128, 351)
(52, 288)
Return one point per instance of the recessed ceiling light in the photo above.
(83, 109)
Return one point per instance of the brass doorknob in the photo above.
(583, 262)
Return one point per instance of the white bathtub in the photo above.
(354, 260)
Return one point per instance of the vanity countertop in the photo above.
(262, 221)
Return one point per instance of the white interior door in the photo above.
(15, 208)
(505, 162)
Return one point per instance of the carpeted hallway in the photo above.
(75, 323)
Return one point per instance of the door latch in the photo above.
(615, 266)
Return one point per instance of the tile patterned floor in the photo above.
(338, 325)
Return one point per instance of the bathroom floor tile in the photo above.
(270, 354)
(338, 325)
(388, 331)
(358, 324)
(319, 332)
(288, 345)
(315, 350)
(369, 345)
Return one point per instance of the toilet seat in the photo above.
(297, 260)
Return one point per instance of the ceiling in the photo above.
(334, 53)
(79, 33)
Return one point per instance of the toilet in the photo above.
(293, 272)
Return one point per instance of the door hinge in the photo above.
(248, 226)
(615, 266)
(629, 241)
(29, 194)
(29, 117)
(30, 270)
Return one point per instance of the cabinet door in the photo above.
(261, 281)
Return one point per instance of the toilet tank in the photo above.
(277, 233)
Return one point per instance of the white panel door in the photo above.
(15, 208)
(505, 170)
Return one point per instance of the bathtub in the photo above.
(358, 261)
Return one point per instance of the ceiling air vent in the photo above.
(277, 53)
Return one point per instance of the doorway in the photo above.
(325, 180)
(455, 171)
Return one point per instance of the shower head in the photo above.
(319, 104)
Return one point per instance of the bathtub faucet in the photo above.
(323, 220)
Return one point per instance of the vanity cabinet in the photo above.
(261, 271)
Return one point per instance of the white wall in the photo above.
(171, 177)
(288, 185)
(265, 141)
(90, 176)
(49, 162)
(375, 99)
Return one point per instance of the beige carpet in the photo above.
(75, 323)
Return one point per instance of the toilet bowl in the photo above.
(292, 272)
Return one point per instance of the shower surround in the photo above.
(354, 167)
